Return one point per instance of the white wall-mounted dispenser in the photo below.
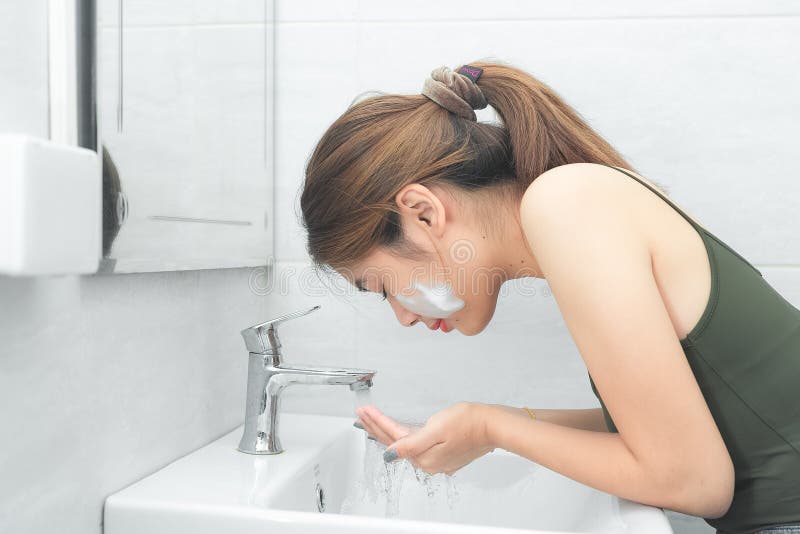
(50, 207)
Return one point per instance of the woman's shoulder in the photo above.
(570, 185)
(582, 205)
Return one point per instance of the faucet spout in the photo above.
(321, 375)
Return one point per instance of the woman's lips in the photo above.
(439, 324)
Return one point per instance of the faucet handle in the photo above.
(263, 338)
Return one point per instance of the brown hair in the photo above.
(385, 142)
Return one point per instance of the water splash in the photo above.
(391, 481)
(381, 486)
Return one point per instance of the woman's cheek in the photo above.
(437, 301)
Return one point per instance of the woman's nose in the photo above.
(405, 317)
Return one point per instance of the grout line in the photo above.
(461, 21)
(177, 26)
(544, 19)
(49, 67)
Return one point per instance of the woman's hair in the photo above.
(385, 142)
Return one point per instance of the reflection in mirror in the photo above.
(114, 204)
(185, 114)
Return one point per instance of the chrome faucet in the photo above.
(267, 376)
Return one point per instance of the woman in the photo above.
(697, 358)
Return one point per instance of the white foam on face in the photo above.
(436, 302)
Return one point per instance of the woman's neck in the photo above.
(511, 251)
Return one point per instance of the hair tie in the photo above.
(456, 91)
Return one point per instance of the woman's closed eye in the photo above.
(365, 290)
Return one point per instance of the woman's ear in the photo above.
(423, 207)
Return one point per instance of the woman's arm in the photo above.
(598, 459)
(583, 418)
(594, 250)
(465, 431)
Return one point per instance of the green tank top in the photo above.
(745, 355)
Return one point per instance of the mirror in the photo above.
(185, 123)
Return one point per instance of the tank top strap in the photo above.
(705, 235)
(663, 197)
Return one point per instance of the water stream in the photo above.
(380, 486)
(361, 398)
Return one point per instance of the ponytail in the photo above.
(544, 131)
(384, 142)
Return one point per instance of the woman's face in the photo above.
(419, 291)
(453, 286)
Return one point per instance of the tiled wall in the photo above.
(105, 379)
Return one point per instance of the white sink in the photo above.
(219, 489)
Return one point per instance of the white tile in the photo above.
(181, 12)
(315, 82)
(316, 10)
(24, 96)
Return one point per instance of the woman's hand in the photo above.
(450, 439)
(381, 427)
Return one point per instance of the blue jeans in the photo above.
(794, 528)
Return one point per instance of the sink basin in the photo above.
(331, 479)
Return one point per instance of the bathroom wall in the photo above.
(104, 379)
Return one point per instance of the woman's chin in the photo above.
(469, 330)
(470, 323)
(477, 326)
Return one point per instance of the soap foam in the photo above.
(437, 301)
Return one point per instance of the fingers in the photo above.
(431, 461)
(374, 429)
(412, 445)
(389, 426)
